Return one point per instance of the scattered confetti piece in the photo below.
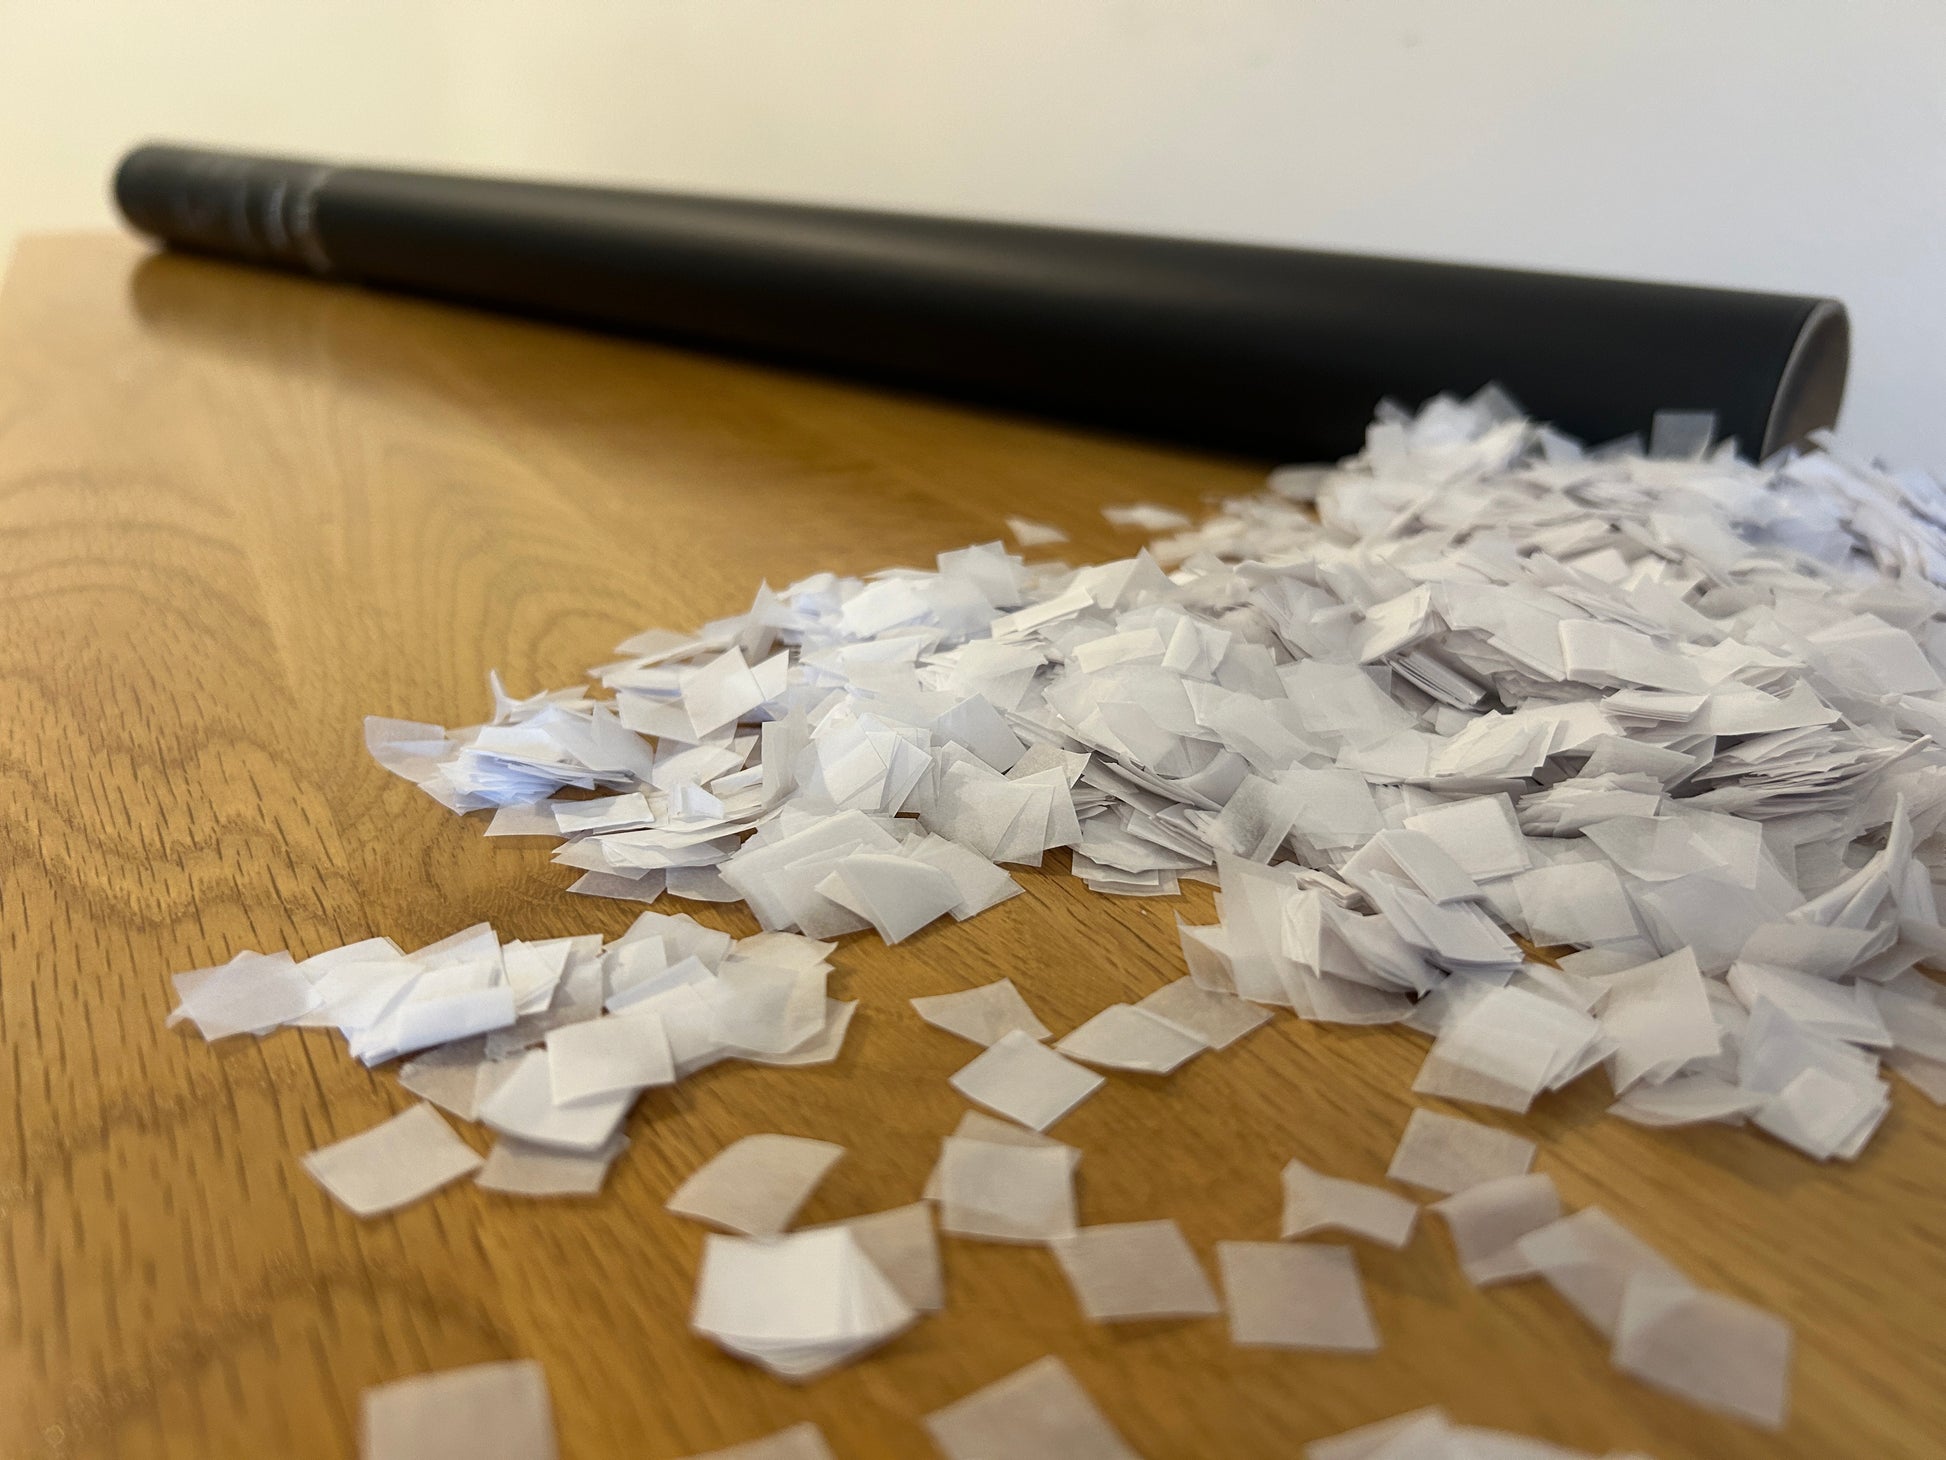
(1146, 517)
(1427, 1434)
(756, 1185)
(976, 1125)
(1006, 1193)
(1317, 1203)
(253, 993)
(1590, 1259)
(1407, 1436)
(1446, 1154)
(515, 1168)
(1029, 533)
(411, 1155)
(984, 1015)
(596, 1059)
(1036, 1413)
(1295, 1295)
(1026, 1082)
(1219, 1020)
(1488, 1220)
(524, 1107)
(1710, 1349)
(1123, 1037)
(485, 1412)
(1128, 1270)
(800, 1304)
(903, 1245)
(449, 1075)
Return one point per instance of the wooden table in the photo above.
(240, 511)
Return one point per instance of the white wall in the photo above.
(1788, 144)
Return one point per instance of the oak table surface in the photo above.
(239, 512)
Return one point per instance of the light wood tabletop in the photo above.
(238, 512)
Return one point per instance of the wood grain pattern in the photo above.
(241, 511)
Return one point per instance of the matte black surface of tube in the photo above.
(1265, 350)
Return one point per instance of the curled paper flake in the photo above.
(1123, 1037)
(1317, 1203)
(1487, 1222)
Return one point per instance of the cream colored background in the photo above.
(1790, 144)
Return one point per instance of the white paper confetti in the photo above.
(601, 1058)
(1029, 533)
(1219, 1020)
(1026, 1082)
(409, 1156)
(524, 1107)
(1316, 1203)
(1123, 1037)
(799, 1304)
(976, 1125)
(515, 1168)
(756, 1185)
(1446, 1154)
(1131, 1270)
(903, 1245)
(1711, 1349)
(1295, 1295)
(1003, 1193)
(1036, 1413)
(984, 1015)
(251, 994)
(485, 1412)
(1590, 1259)
(1488, 1220)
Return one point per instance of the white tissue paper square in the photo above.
(1130, 1270)
(1710, 1349)
(1295, 1295)
(1446, 1154)
(755, 1186)
(1003, 1193)
(1487, 1222)
(483, 1412)
(1036, 1413)
(606, 1057)
(903, 1244)
(1024, 1081)
(977, 1125)
(1316, 1203)
(523, 1106)
(1219, 1020)
(411, 1155)
(798, 1305)
(984, 1015)
(515, 1168)
(1123, 1037)
(1589, 1258)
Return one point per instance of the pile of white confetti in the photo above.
(1671, 710)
